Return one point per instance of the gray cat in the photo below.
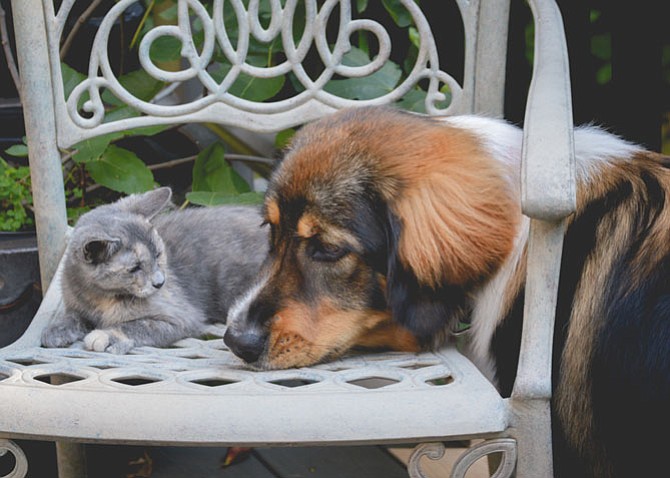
(136, 275)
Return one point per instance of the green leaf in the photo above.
(414, 100)
(257, 89)
(364, 43)
(283, 137)
(375, 85)
(594, 15)
(247, 87)
(138, 83)
(74, 213)
(529, 34)
(204, 198)
(410, 60)
(121, 112)
(126, 111)
(169, 14)
(17, 150)
(146, 130)
(71, 78)
(414, 37)
(398, 12)
(15, 197)
(91, 149)
(604, 74)
(141, 84)
(212, 173)
(121, 170)
(165, 49)
(601, 46)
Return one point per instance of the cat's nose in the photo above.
(248, 344)
(158, 279)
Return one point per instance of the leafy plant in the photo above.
(15, 196)
(97, 169)
(215, 181)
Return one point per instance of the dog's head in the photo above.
(381, 224)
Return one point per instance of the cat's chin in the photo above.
(133, 296)
(145, 294)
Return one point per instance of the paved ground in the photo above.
(111, 461)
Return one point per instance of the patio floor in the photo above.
(116, 461)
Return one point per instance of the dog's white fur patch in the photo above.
(240, 307)
(595, 150)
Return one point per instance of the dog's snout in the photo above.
(248, 345)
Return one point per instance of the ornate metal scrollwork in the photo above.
(21, 465)
(197, 59)
(435, 451)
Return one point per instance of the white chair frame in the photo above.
(89, 398)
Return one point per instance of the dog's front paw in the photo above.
(108, 341)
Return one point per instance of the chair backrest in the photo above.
(55, 120)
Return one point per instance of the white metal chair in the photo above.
(197, 393)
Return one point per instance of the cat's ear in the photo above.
(148, 204)
(97, 250)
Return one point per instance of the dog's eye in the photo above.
(135, 268)
(325, 252)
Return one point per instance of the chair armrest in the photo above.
(548, 195)
(548, 166)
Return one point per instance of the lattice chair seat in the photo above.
(197, 392)
(213, 398)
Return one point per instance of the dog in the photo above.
(389, 228)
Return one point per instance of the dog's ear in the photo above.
(428, 312)
(447, 238)
(457, 206)
(456, 236)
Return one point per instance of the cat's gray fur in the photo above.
(135, 275)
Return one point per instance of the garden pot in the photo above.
(20, 291)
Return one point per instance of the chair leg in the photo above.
(21, 462)
(71, 460)
(505, 448)
(533, 435)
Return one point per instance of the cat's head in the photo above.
(116, 249)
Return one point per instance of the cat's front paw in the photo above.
(107, 341)
(121, 347)
(97, 340)
(61, 335)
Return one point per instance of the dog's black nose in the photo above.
(248, 345)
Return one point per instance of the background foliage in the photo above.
(100, 169)
(620, 66)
